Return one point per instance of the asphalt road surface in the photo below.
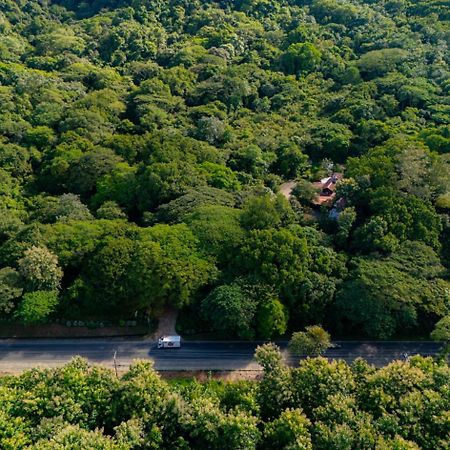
(17, 355)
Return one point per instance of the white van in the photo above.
(169, 342)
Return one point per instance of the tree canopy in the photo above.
(318, 404)
(171, 153)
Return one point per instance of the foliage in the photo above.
(272, 318)
(301, 58)
(312, 342)
(142, 147)
(65, 208)
(162, 266)
(441, 332)
(289, 431)
(265, 211)
(319, 404)
(277, 257)
(217, 229)
(229, 308)
(37, 306)
(10, 289)
(407, 291)
(119, 117)
(274, 393)
(40, 270)
(110, 210)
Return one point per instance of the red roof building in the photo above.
(327, 189)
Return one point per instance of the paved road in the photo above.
(17, 355)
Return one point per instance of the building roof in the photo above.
(330, 183)
(328, 188)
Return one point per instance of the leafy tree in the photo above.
(305, 191)
(71, 208)
(184, 268)
(230, 309)
(316, 379)
(110, 210)
(15, 159)
(177, 210)
(72, 436)
(277, 257)
(124, 275)
(375, 236)
(217, 228)
(398, 218)
(219, 176)
(272, 318)
(340, 423)
(301, 58)
(162, 182)
(214, 429)
(275, 392)
(65, 208)
(84, 174)
(443, 201)
(332, 11)
(329, 140)
(41, 136)
(441, 332)
(345, 222)
(118, 186)
(312, 342)
(37, 306)
(266, 211)
(386, 390)
(386, 296)
(289, 431)
(131, 433)
(291, 161)
(14, 431)
(379, 62)
(74, 242)
(10, 223)
(212, 130)
(251, 160)
(142, 394)
(40, 270)
(10, 289)
(109, 279)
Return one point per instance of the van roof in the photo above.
(171, 338)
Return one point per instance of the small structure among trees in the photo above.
(327, 189)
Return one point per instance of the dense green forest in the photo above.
(320, 404)
(142, 147)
